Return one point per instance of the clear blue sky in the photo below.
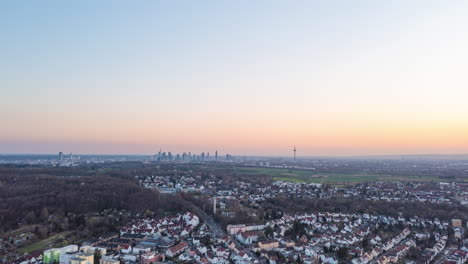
(247, 77)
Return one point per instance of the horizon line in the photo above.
(247, 155)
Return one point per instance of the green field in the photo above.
(309, 176)
(41, 245)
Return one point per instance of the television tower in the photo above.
(294, 153)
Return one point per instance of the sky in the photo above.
(242, 77)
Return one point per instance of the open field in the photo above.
(309, 176)
(40, 245)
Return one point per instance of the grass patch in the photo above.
(286, 179)
(309, 176)
(40, 245)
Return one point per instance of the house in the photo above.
(456, 222)
(310, 252)
(191, 219)
(288, 243)
(222, 252)
(184, 257)
(224, 239)
(152, 257)
(177, 249)
(241, 258)
(458, 232)
(247, 237)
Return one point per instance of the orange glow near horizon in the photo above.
(244, 137)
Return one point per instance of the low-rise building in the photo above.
(268, 244)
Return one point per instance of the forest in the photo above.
(32, 195)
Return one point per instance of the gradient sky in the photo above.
(245, 77)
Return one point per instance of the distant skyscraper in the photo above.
(294, 153)
(71, 156)
(60, 157)
(216, 155)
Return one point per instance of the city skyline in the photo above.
(334, 78)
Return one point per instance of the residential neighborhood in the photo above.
(302, 238)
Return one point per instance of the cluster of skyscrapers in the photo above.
(61, 156)
(168, 156)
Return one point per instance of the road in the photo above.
(218, 231)
(214, 226)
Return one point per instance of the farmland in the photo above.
(310, 176)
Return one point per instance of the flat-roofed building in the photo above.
(109, 260)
